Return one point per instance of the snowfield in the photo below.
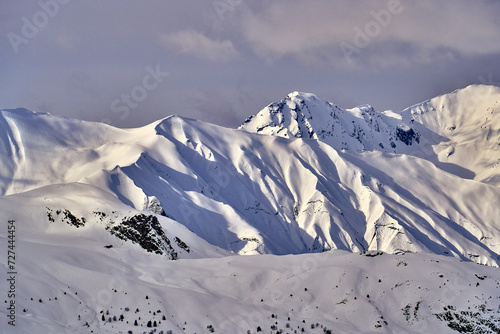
(352, 220)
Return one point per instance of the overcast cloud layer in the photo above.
(129, 63)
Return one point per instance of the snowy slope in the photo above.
(252, 194)
(68, 281)
(71, 284)
(467, 124)
(101, 213)
(83, 216)
(63, 150)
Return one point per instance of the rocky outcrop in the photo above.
(145, 231)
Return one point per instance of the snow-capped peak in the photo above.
(304, 115)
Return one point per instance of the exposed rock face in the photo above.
(69, 218)
(182, 244)
(147, 232)
(407, 136)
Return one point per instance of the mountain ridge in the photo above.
(252, 193)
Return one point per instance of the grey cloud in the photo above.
(225, 67)
(309, 30)
(194, 43)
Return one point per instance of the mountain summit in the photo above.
(459, 132)
(303, 115)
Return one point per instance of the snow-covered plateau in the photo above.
(307, 218)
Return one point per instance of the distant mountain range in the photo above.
(301, 176)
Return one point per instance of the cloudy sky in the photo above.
(129, 62)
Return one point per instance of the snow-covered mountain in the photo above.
(465, 131)
(341, 187)
(303, 115)
(301, 176)
(459, 132)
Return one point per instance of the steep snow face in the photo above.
(303, 115)
(301, 195)
(467, 123)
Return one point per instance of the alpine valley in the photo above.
(307, 218)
